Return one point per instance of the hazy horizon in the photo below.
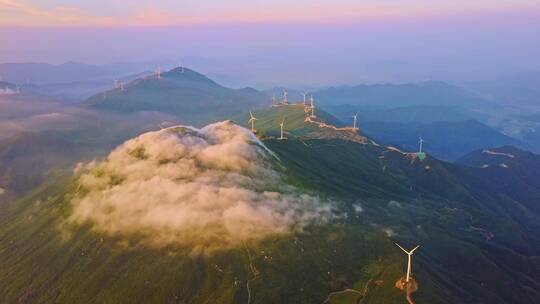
(264, 44)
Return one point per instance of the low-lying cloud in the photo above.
(208, 188)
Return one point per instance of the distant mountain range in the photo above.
(450, 132)
(420, 113)
(400, 95)
(69, 72)
(189, 95)
(518, 88)
(445, 140)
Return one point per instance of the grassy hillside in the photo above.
(470, 251)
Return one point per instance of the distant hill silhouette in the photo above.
(398, 95)
(189, 95)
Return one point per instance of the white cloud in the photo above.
(389, 232)
(208, 189)
(358, 208)
(395, 204)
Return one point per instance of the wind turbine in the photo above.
(158, 72)
(285, 96)
(252, 121)
(421, 141)
(304, 94)
(281, 137)
(312, 108)
(354, 121)
(409, 255)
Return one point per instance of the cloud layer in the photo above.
(210, 188)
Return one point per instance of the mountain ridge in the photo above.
(191, 96)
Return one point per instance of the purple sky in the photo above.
(401, 40)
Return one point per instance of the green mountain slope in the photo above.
(471, 251)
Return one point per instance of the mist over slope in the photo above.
(207, 188)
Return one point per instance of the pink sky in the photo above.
(189, 12)
(350, 40)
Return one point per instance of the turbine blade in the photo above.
(402, 248)
(414, 249)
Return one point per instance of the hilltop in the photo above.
(191, 96)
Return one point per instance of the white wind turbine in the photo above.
(285, 100)
(304, 94)
(409, 256)
(354, 121)
(281, 137)
(252, 121)
(421, 142)
(158, 72)
(312, 107)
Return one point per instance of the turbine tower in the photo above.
(312, 108)
(281, 137)
(158, 72)
(420, 142)
(285, 96)
(354, 121)
(304, 94)
(252, 121)
(409, 255)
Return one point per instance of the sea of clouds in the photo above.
(208, 188)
